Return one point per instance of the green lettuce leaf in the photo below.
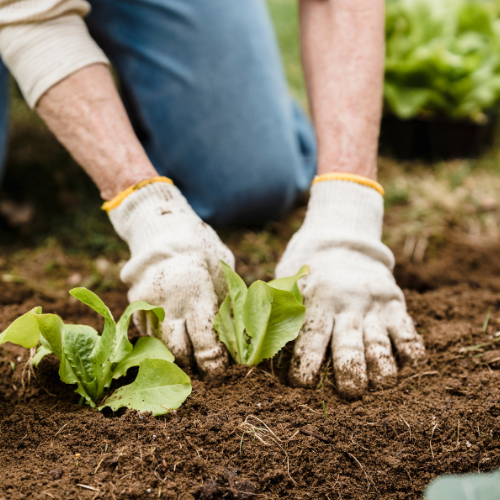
(406, 101)
(443, 58)
(51, 328)
(264, 317)
(40, 354)
(78, 344)
(160, 386)
(272, 318)
(124, 347)
(237, 294)
(24, 331)
(289, 284)
(105, 348)
(52, 331)
(224, 326)
(145, 348)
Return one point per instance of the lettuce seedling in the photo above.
(255, 323)
(92, 361)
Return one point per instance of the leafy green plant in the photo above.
(255, 323)
(92, 361)
(443, 58)
(464, 487)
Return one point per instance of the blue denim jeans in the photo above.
(205, 89)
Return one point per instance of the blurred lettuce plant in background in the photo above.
(443, 58)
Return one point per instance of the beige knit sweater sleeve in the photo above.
(44, 41)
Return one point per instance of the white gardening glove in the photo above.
(175, 264)
(351, 296)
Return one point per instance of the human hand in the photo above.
(175, 264)
(351, 296)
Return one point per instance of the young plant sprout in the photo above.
(92, 361)
(255, 323)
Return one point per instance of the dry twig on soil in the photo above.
(307, 432)
(356, 444)
(87, 487)
(430, 442)
(407, 425)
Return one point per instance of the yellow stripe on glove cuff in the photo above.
(118, 199)
(358, 179)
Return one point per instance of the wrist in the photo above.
(348, 177)
(110, 186)
(366, 169)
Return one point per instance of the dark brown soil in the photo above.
(255, 437)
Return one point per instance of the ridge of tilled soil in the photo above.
(255, 437)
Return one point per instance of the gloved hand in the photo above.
(175, 264)
(351, 296)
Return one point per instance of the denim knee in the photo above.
(254, 195)
(260, 179)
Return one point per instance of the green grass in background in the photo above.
(285, 17)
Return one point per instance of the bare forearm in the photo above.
(86, 114)
(343, 58)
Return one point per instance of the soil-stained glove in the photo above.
(351, 296)
(175, 264)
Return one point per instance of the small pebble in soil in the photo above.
(259, 405)
(78, 455)
(56, 473)
(154, 436)
(148, 490)
(19, 359)
(468, 444)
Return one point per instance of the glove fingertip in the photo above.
(172, 333)
(352, 381)
(210, 354)
(409, 344)
(304, 369)
(213, 363)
